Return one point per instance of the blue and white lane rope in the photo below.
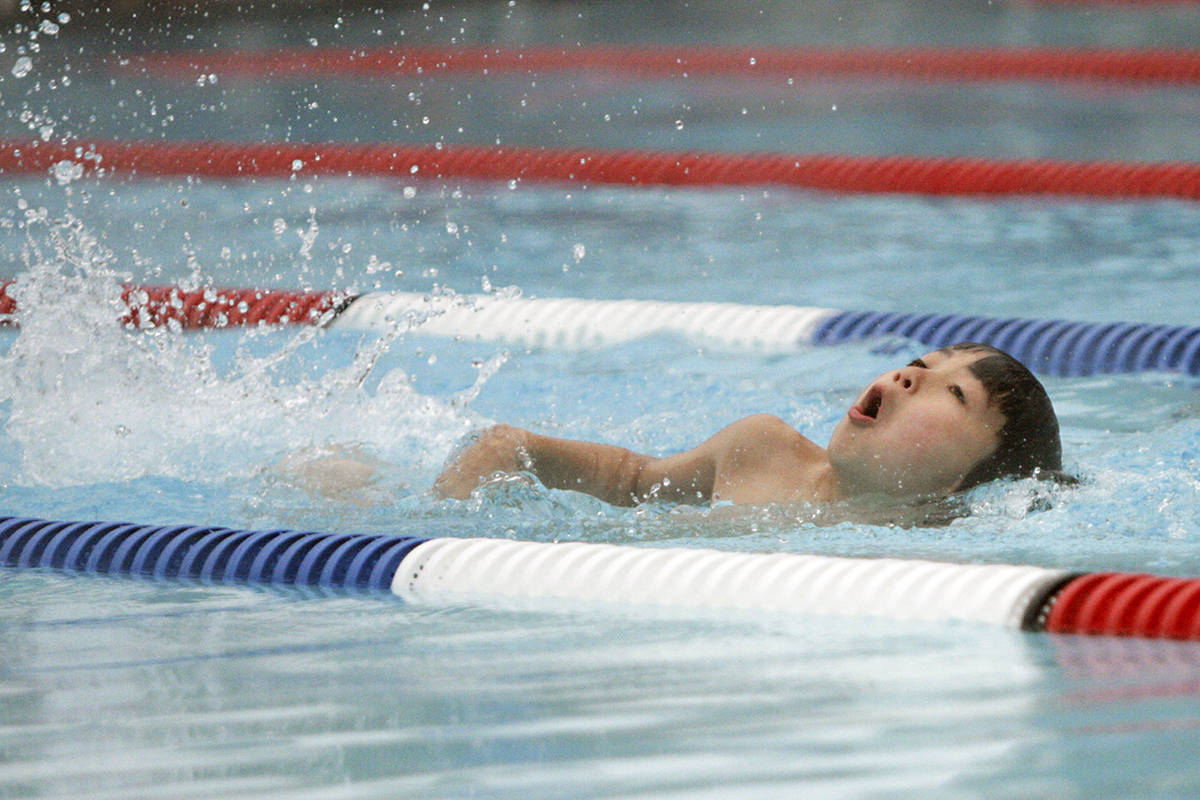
(1050, 347)
(441, 570)
(449, 569)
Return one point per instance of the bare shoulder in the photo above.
(761, 433)
(762, 459)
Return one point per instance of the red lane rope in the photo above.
(870, 174)
(154, 306)
(1124, 604)
(967, 64)
(8, 306)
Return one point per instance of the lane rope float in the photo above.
(1047, 346)
(820, 172)
(1157, 66)
(441, 570)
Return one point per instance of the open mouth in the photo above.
(868, 408)
(872, 402)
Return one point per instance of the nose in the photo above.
(906, 378)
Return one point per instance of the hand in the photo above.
(338, 472)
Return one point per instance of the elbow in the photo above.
(629, 489)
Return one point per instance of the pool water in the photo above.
(126, 688)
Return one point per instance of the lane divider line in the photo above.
(450, 570)
(819, 172)
(1048, 347)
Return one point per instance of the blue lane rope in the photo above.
(214, 554)
(1052, 347)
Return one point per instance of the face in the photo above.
(916, 430)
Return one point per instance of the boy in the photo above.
(948, 421)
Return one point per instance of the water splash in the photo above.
(22, 67)
(90, 402)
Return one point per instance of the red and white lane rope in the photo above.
(155, 306)
(839, 173)
(1053, 347)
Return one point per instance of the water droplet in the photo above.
(678, 124)
(66, 171)
(280, 227)
(22, 67)
(297, 165)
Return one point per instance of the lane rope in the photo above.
(1157, 66)
(1047, 346)
(837, 173)
(444, 570)
(1050, 347)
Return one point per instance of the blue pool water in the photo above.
(123, 688)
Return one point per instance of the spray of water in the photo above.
(90, 402)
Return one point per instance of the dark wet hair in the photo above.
(1029, 444)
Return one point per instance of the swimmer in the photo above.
(946, 422)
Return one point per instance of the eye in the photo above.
(916, 362)
(957, 391)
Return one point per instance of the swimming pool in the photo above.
(124, 688)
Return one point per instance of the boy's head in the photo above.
(1029, 442)
(948, 421)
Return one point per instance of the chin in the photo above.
(841, 436)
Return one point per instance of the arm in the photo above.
(751, 460)
(605, 471)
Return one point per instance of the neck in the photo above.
(827, 483)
